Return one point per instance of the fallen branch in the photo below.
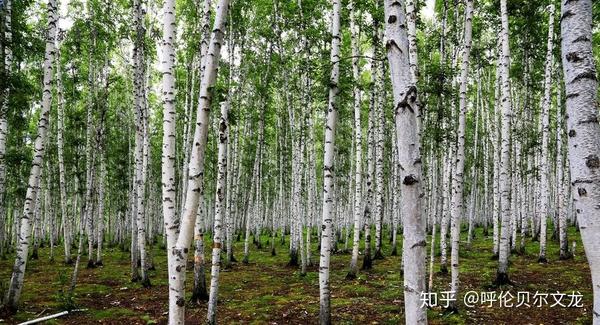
(38, 320)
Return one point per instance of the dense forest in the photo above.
(300, 161)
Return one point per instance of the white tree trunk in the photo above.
(48, 211)
(395, 197)
(328, 159)
(379, 125)
(66, 221)
(514, 173)
(199, 289)
(205, 36)
(474, 172)
(562, 183)
(89, 162)
(16, 281)
(251, 218)
(358, 145)
(231, 196)
(140, 137)
(502, 276)
(220, 208)
(36, 219)
(80, 241)
(445, 220)
(312, 193)
(134, 248)
(169, 206)
(457, 182)
(302, 209)
(584, 131)
(7, 66)
(371, 148)
(435, 181)
(405, 97)
(196, 166)
(296, 135)
(544, 202)
(496, 163)
(101, 190)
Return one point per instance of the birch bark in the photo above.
(16, 282)
(180, 251)
(581, 89)
(504, 246)
(169, 206)
(544, 170)
(356, 93)
(7, 66)
(219, 215)
(379, 123)
(328, 175)
(368, 207)
(457, 182)
(405, 97)
(562, 184)
(66, 221)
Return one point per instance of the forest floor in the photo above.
(267, 291)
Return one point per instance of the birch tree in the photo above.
(544, 170)
(379, 124)
(562, 183)
(184, 239)
(7, 64)
(457, 182)
(328, 163)
(169, 206)
(89, 143)
(371, 148)
(581, 88)
(199, 289)
(15, 288)
(405, 97)
(61, 164)
(504, 188)
(140, 137)
(220, 208)
(356, 93)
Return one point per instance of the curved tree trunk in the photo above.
(180, 251)
(16, 281)
(199, 289)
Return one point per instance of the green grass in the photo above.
(268, 290)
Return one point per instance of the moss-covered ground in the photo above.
(268, 291)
